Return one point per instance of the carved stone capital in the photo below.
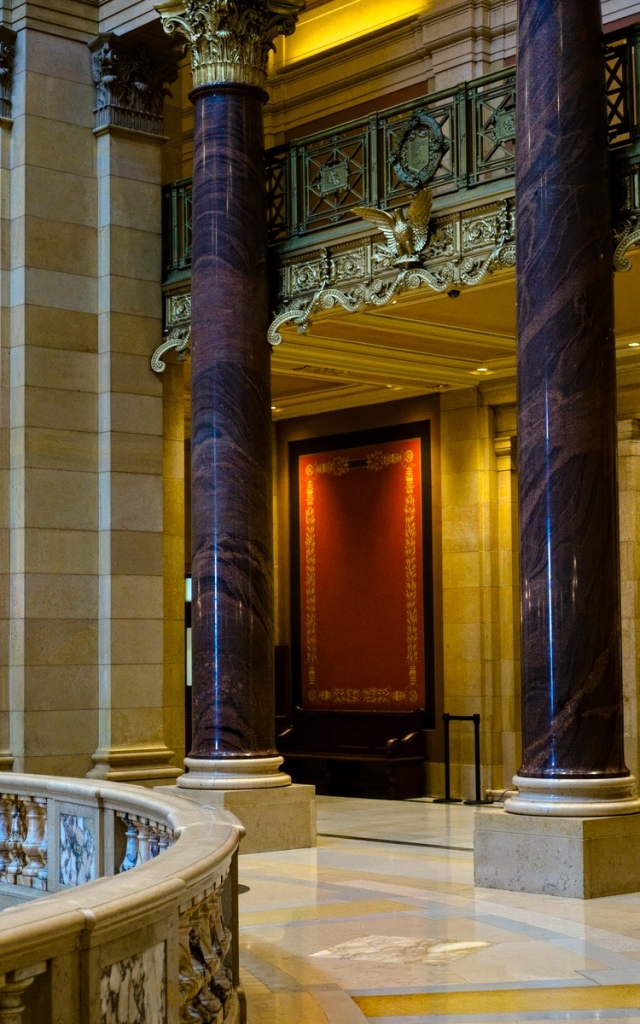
(7, 53)
(229, 40)
(130, 85)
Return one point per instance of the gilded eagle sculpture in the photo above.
(406, 230)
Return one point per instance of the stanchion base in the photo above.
(448, 800)
(476, 803)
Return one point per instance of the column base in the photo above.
(568, 798)
(274, 819)
(234, 773)
(575, 857)
(144, 766)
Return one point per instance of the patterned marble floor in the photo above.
(381, 923)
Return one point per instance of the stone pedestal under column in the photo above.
(583, 858)
(572, 828)
(275, 819)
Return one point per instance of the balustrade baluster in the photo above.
(154, 842)
(5, 830)
(144, 842)
(43, 873)
(12, 990)
(131, 854)
(18, 834)
(32, 845)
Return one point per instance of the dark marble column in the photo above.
(571, 653)
(231, 528)
(231, 495)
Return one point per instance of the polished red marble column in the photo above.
(573, 760)
(231, 493)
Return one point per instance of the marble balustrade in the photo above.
(151, 936)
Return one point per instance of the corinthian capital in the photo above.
(230, 40)
(130, 85)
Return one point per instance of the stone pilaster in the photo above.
(629, 499)
(470, 594)
(7, 53)
(505, 447)
(232, 606)
(130, 87)
(52, 327)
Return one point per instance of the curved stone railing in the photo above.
(151, 938)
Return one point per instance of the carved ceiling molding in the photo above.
(229, 40)
(7, 54)
(130, 85)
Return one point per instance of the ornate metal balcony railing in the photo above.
(314, 184)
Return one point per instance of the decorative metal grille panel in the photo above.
(335, 172)
(278, 190)
(493, 121)
(419, 151)
(177, 219)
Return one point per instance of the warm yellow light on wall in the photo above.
(340, 21)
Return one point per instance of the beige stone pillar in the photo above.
(173, 541)
(629, 504)
(471, 593)
(53, 650)
(132, 632)
(505, 452)
(7, 52)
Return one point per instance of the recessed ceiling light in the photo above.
(634, 344)
(483, 369)
(274, 408)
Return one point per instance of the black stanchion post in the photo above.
(447, 798)
(476, 743)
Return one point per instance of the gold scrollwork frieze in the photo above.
(179, 339)
(627, 234)
(464, 269)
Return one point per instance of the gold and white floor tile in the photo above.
(382, 924)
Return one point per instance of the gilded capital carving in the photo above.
(130, 85)
(230, 40)
(7, 53)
